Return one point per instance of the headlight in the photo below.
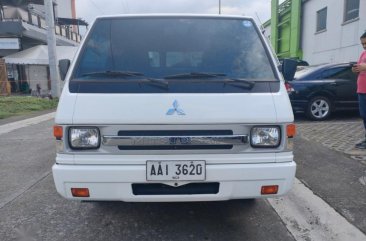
(266, 136)
(84, 137)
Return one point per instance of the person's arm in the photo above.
(359, 68)
(362, 67)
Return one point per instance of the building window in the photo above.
(351, 10)
(321, 20)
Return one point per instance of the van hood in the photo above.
(100, 109)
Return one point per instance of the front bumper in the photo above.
(114, 182)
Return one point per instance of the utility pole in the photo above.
(219, 6)
(51, 43)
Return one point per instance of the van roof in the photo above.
(158, 15)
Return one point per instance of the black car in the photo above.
(320, 90)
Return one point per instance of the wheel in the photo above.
(319, 108)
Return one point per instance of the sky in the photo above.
(89, 9)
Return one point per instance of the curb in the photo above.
(6, 128)
(26, 116)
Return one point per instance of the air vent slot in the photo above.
(188, 189)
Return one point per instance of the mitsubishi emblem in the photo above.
(175, 108)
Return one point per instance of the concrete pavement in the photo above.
(339, 134)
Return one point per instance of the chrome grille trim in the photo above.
(174, 140)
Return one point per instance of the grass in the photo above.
(23, 105)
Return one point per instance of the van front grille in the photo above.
(176, 133)
(175, 140)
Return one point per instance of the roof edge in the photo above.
(175, 15)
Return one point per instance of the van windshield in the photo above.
(186, 53)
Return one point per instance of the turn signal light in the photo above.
(58, 132)
(80, 192)
(291, 130)
(266, 190)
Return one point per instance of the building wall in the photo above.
(37, 74)
(67, 9)
(64, 8)
(340, 42)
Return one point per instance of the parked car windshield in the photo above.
(174, 50)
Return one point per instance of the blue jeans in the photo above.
(362, 107)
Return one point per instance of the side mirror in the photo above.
(63, 65)
(288, 69)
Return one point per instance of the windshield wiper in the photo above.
(239, 82)
(124, 74)
(157, 82)
(194, 75)
(245, 83)
(114, 73)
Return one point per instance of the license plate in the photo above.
(175, 170)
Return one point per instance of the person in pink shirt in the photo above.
(360, 69)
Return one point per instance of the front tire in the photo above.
(319, 108)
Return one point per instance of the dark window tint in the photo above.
(321, 20)
(351, 10)
(338, 73)
(97, 51)
(162, 47)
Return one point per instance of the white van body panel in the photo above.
(65, 108)
(199, 109)
(282, 105)
(90, 109)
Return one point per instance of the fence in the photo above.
(4, 83)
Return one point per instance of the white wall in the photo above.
(64, 8)
(339, 42)
(37, 74)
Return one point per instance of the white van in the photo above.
(172, 108)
